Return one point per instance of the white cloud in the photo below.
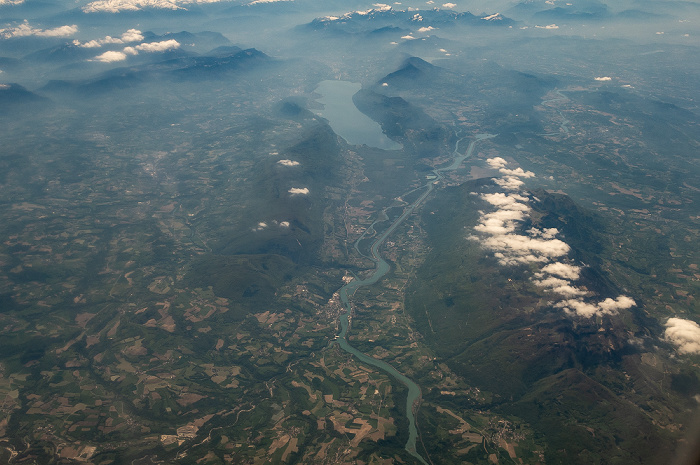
(549, 26)
(507, 201)
(589, 310)
(426, 29)
(511, 248)
(496, 163)
(25, 30)
(288, 163)
(159, 46)
(684, 334)
(11, 2)
(562, 270)
(111, 56)
(515, 249)
(132, 35)
(499, 222)
(151, 47)
(551, 282)
(90, 44)
(517, 172)
(299, 190)
(449, 5)
(567, 290)
(536, 246)
(260, 226)
(559, 286)
(578, 307)
(603, 78)
(511, 183)
(284, 224)
(408, 37)
(621, 303)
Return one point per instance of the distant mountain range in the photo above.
(585, 10)
(225, 61)
(15, 96)
(379, 19)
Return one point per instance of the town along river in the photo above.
(382, 268)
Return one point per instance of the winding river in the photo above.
(564, 122)
(382, 268)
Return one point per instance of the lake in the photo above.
(346, 120)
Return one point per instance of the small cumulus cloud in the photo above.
(559, 286)
(449, 5)
(684, 334)
(548, 26)
(517, 172)
(159, 46)
(408, 37)
(589, 310)
(299, 190)
(89, 44)
(381, 6)
(562, 270)
(11, 2)
(603, 78)
(621, 303)
(152, 47)
(511, 183)
(111, 57)
(498, 163)
(288, 163)
(514, 249)
(507, 201)
(426, 29)
(132, 35)
(284, 224)
(25, 30)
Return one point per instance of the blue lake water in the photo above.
(346, 120)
